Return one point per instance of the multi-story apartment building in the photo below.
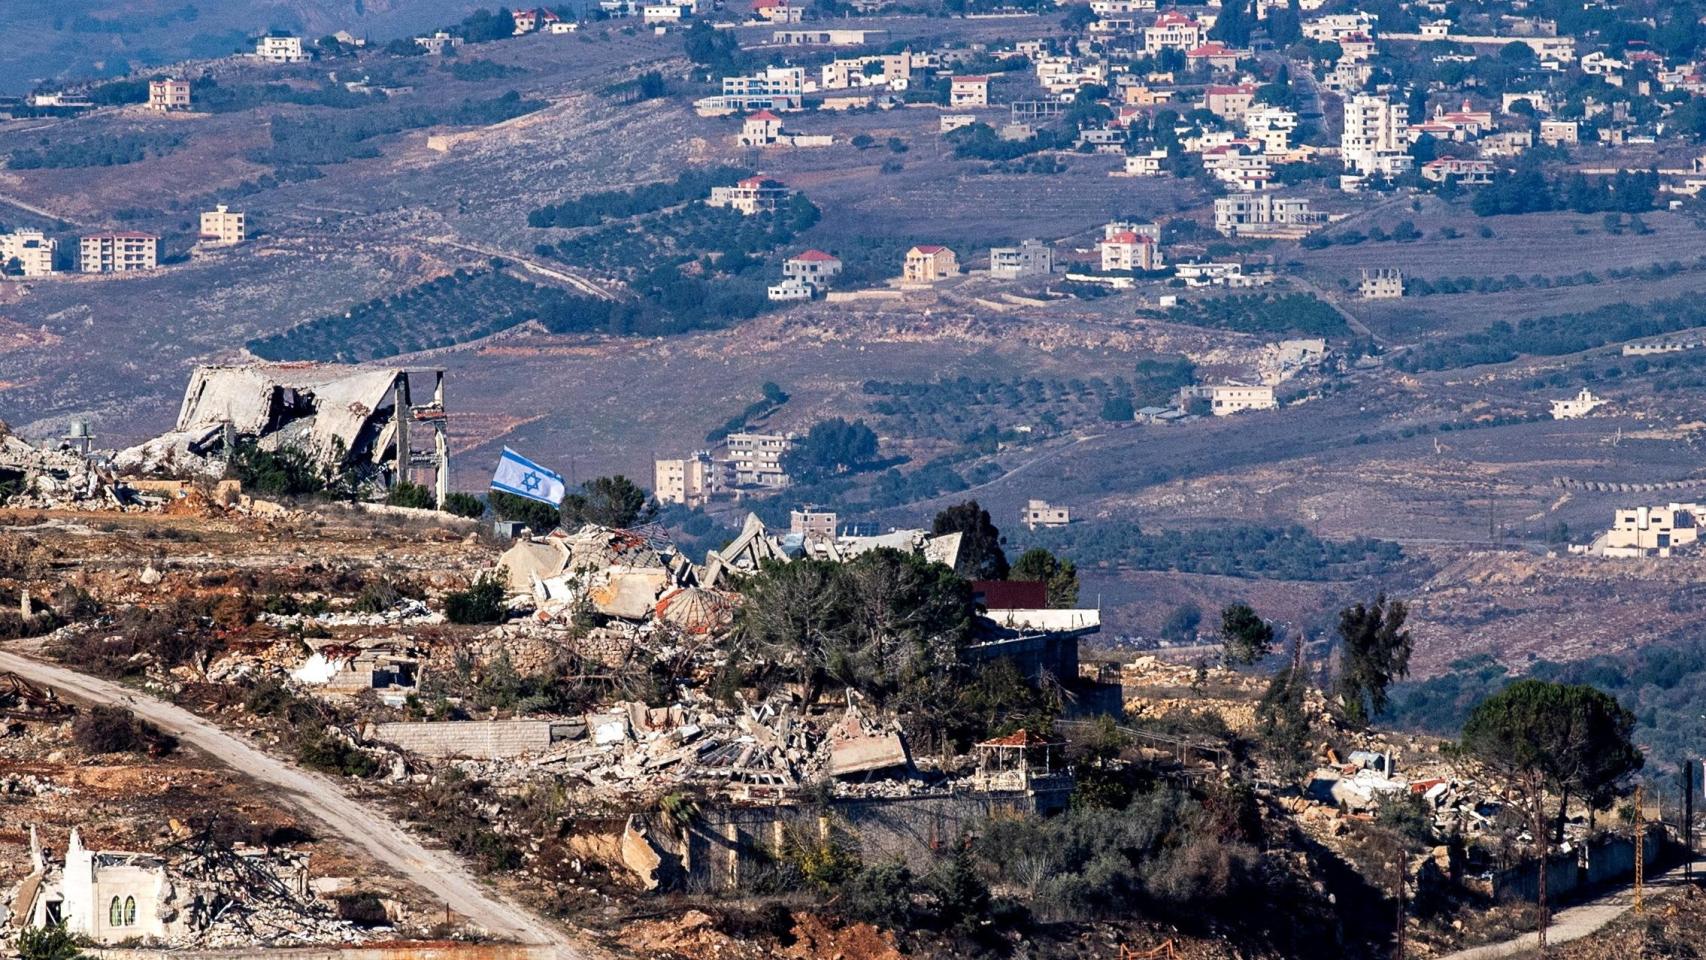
(221, 225)
(119, 252)
(1130, 251)
(1374, 143)
(691, 480)
(168, 94)
(929, 262)
(756, 458)
(27, 253)
(1031, 258)
(1264, 215)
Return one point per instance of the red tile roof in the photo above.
(764, 115)
(927, 248)
(971, 79)
(816, 256)
(1022, 738)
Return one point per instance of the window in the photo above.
(115, 914)
(130, 911)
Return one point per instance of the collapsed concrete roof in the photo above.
(340, 415)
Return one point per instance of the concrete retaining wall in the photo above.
(478, 739)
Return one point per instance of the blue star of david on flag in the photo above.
(518, 475)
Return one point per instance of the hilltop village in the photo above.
(1062, 480)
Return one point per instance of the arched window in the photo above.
(115, 914)
(130, 911)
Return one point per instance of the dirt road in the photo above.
(1574, 923)
(322, 799)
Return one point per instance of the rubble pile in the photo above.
(52, 479)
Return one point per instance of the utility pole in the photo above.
(1640, 849)
(1688, 820)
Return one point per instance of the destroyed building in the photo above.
(194, 893)
(59, 475)
(356, 422)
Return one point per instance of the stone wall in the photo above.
(477, 739)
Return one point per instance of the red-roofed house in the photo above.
(968, 92)
(1130, 251)
(814, 267)
(1172, 31)
(760, 129)
(1217, 55)
(526, 21)
(927, 263)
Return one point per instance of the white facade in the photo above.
(280, 50)
(32, 249)
(1374, 143)
(1580, 405)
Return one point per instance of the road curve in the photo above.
(322, 799)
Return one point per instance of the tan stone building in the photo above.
(756, 458)
(119, 252)
(691, 480)
(168, 94)
(751, 196)
(221, 225)
(927, 263)
(1652, 531)
(1041, 513)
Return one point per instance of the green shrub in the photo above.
(480, 603)
(465, 505)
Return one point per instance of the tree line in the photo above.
(595, 208)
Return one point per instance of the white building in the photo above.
(1173, 31)
(1374, 142)
(280, 50)
(1041, 513)
(1145, 164)
(1229, 398)
(1580, 405)
(757, 458)
(790, 289)
(1264, 215)
(27, 253)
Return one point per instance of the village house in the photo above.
(221, 225)
(1128, 251)
(1381, 283)
(1173, 31)
(760, 129)
(1031, 258)
(1580, 405)
(1272, 127)
(280, 50)
(1041, 513)
(968, 92)
(119, 252)
(1219, 273)
(1539, 101)
(1230, 398)
(753, 195)
(168, 94)
(1107, 8)
(1334, 26)
(1215, 55)
(927, 263)
(949, 122)
(778, 11)
(1145, 164)
(1463, 171)
(789, 290)
(662, 13)
(812, 267)
(1229, 102)
(107, 896)
(1239, 165)
(27, 253)
(1651, 531)
(1559, 133)
(1264, 215)
(777, 88)
(437, 43)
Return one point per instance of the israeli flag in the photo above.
(524, 478)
